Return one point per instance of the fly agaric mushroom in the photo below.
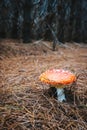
(59, 79)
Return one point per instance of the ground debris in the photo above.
(26, 103)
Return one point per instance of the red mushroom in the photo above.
(59, 79)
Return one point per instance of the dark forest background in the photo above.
(56, 20)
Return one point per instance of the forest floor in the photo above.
(25, 102)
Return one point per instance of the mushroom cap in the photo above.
(57, 77)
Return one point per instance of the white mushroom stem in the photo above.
(60, 95)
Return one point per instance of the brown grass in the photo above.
(25, 102)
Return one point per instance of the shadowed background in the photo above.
(56, 20)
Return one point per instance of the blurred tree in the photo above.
(57, 20)
(27, 21)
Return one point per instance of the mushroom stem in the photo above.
(60, 95)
